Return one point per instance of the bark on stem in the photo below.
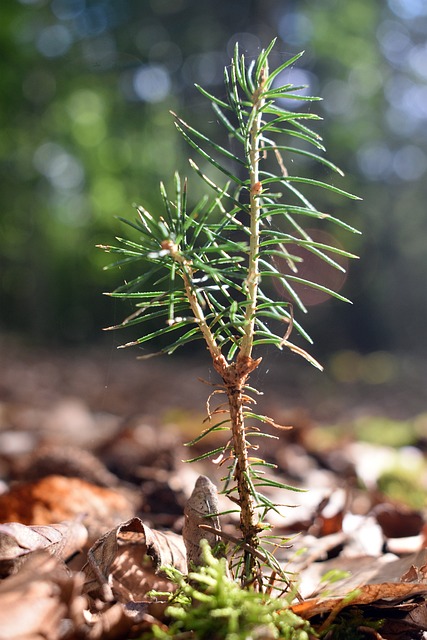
(235, 376)
(247, 510)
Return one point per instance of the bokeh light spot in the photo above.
(340, 99)
(408, 9)
(152, 83)
(100, 52)
(85, 106)
(203, 68)
(89, 134)
(67, 9)
(62, 169)
(93, 21)
(249, 44)
(86, 109)
(41, 2)
(70, 209)
(54, 41)
(295, 28)
(375, 160)
(410, 162)
(394, 39)
(303, 82)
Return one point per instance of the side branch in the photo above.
(186, 274)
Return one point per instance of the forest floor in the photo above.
(91, 449)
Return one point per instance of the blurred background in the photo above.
(85, 92)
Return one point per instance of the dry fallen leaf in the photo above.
(111, 624)
(370, 580)
(126, 562)
(63, 460)
(35, 603)
(18, 542)
(398, 521)
(56, 498)
(365, 594)
(202, 503)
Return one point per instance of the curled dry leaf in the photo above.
(201, 508)
(56, 498)
(18, 542)
(125, 563)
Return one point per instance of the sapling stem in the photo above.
(209, 283)
(237, 374)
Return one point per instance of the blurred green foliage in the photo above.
(404, 486)
(86, 88)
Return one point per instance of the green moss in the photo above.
(212, 607)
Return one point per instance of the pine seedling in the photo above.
(209, 271)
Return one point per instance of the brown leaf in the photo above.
(111, 624)
(125, 562)
(18, 542)
(405, 621)
(418, 615)
(35, 602)
(202, 503)
(365, 594)
(56, 498)
(64, 460)
(371, 581)
(397, 521)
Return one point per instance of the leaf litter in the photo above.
(94, 491)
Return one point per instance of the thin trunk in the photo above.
(235, 376)
(246, 501)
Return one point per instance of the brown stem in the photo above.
(235, 376)
(247, 510)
